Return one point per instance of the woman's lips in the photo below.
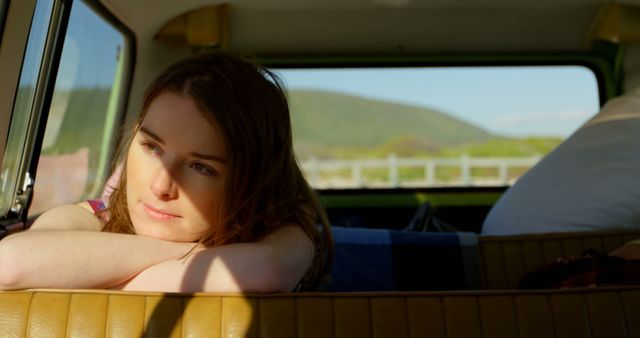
(157, 213)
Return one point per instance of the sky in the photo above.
(89, 54)
(510, 101)
(90, 51)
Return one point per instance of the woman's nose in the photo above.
(163, 185)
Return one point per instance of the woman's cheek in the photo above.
(209, 205)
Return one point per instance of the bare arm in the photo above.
(276, 263)
(68, 217)
(85, 258)
(65, 250)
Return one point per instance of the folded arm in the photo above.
(64, 250)
(277, 263)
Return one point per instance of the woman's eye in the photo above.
(203, 169)
(151, 148)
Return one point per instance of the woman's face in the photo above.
(176, 171)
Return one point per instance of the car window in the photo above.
(86, 103)
(432, 126)
(25, 101)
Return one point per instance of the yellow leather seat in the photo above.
(505, 259)
(597, 312)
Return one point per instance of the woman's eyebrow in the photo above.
(151, 134)
(159, 139)
(209, 157)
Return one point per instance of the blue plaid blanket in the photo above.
(390, 260)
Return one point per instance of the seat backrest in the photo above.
(596, 312)
(505, 259)
(390, 260)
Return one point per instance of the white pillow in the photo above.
(590, 182)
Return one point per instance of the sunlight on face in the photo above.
(176, 171)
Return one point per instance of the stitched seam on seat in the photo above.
(624, 314)
(477, 300)
(333, 314)
(295, 321)
(563, 249)
(66, 329)
(553, 315)
(27, 327)
(257, 320)
(107, 325)
(515, 315)
(371, 327)
(144, 316)
(181, 317)
(503, 260)
(583, 298)
(485, 269)
(444, 316)
(406, 316)
(522, 262)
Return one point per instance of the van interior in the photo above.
(411, 118)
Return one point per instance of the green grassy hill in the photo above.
(330, 124)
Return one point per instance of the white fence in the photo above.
(351, 173)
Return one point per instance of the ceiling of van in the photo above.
(384, 26)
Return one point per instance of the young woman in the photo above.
(210, 199)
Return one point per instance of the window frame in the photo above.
(14, 42)
(129, 60)
(18, 31)
(601, 62)
(130, 57)
(19, 191)
(4, 6)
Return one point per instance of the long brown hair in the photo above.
(265, 188)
